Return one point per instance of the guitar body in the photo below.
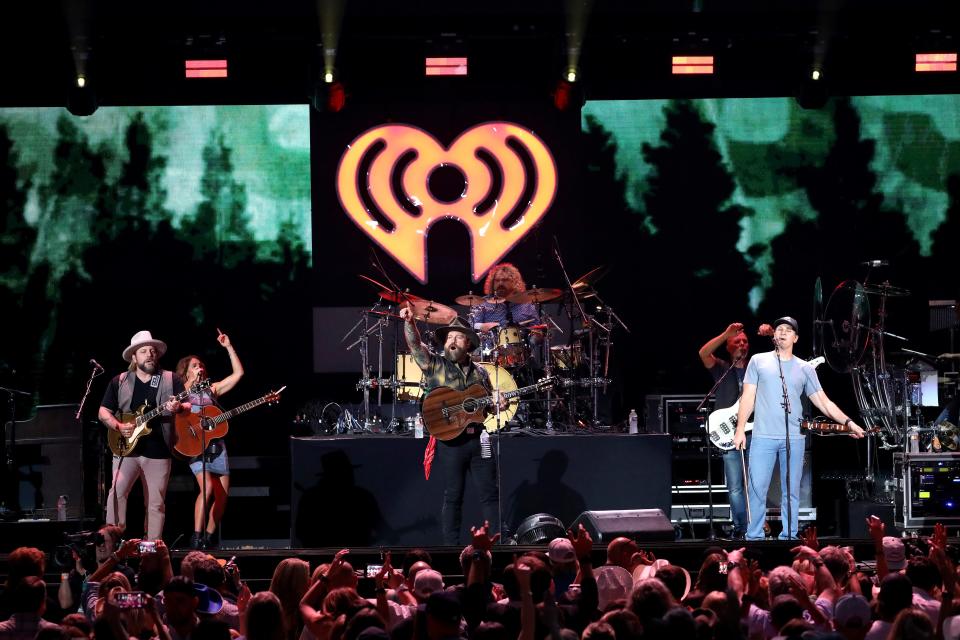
(190, 426)
(445, 423)
(722, 426)
(121, 446)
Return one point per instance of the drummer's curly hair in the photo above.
(513, 274)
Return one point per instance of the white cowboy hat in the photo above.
(141, 338)
(642, 572)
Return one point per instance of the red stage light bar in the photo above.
(206, 69)
(935, 62)
(692, 65)
(446, 67)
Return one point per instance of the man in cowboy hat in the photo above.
(144, 383)
(774, 382)
(455, 369)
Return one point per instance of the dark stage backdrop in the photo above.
(371, 491)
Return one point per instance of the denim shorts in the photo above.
(218, 465)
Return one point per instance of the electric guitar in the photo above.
(121, 446)
(446, 413)
(194, 430)
(822, 427)
(722, 423)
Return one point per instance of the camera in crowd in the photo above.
(84, 545)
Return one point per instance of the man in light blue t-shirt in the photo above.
(763, 391)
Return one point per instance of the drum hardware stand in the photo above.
(101, 475)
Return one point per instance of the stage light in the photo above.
(932, 62)
(446, 66)
(692, 65)
(81, 81)
(328, 77)
(815, 74)
(540, 528)
(571, 75)
(205, 69)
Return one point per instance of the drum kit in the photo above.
(515, 354)
(889, 392)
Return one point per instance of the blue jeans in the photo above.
(764, 452)
(733, 472)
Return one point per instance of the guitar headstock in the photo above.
(274, 396)
(199, 385)
(548, 381)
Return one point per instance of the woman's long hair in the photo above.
(290, 581)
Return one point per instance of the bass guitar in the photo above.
(121, 446)
(194, 430)
(446, 413)
(722, 423)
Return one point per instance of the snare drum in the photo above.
(512, 348)
(409, 378)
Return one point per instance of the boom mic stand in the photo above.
(711, 533)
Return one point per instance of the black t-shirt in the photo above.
(152, 445)
(729, 390)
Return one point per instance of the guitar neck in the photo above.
(227, 415)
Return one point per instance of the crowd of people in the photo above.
(555, 592)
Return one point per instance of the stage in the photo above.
(370, 490)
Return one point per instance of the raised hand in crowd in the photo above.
(877, 531)
(482, 540)
(645, 558)
(582, 543)
(809, 537)
(528, 612)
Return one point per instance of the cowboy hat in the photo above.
(642, 572)
(458, 324)
(141, 338)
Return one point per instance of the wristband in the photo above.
(847, 422)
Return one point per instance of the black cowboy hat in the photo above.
(458, 324)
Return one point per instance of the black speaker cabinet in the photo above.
(638, 524)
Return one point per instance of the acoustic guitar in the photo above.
(121, 446)
(446, 413)
(195, 430)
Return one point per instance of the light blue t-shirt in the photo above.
(801, 380)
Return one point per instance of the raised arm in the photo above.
(421, 355)
(236, 372)
(708, 349)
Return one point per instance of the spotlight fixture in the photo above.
(815, 75)
(571, 75)
(692, 65)
(328, 77)
(540, 528)
(932, 62)
(81, 81)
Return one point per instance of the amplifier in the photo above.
(676, 413)
(927, 489)
(691, 504)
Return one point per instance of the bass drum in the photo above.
(502, 380)
(409, 378)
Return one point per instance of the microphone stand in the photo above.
(11, 504)
(786, 427)
(101, 476)
(711, 533)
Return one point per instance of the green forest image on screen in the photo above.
(764, 144)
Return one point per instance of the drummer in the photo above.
(504, 280)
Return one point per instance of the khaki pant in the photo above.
(155, 473)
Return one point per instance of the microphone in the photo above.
(875, 263)
(96, 364)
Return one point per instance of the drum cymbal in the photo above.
(535, 296)
(590, 278)
(470, 300)
(432, 312)
(387, 293)
(877, 289)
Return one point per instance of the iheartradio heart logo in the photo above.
(385, 182)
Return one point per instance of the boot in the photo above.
(197, 541)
